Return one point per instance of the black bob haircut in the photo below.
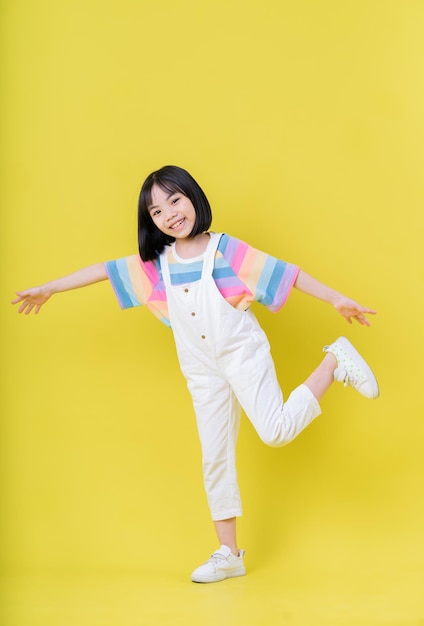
(173, 179)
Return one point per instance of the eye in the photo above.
(175, 200)
(155, 212)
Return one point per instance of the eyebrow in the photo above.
(156, 206)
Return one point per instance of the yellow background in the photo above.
(303, 122)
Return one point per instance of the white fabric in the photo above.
(225, 357)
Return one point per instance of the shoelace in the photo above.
(216, 557)
(342, 375)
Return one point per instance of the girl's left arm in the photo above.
(348, 308)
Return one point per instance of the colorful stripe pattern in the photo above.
(242, 274)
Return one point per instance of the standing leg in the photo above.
(218, 421)
(226, 531)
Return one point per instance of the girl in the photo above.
(201, 284)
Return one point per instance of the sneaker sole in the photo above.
(216, 578)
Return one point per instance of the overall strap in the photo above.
(209, 258)
(163, 260)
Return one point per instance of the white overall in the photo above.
(225, 357)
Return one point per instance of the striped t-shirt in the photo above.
(242, 274)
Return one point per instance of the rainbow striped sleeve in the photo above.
(130, 281)
(268, 279)
(138, 283)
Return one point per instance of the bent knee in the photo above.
(275, 440)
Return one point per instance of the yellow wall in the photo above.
(303, 123)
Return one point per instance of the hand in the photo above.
(31, 299)
(351, 310)
(35, 298)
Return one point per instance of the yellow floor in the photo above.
(266, 596)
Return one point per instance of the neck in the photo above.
(190, 248)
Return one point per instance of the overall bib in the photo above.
(225, 357)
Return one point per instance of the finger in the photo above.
(368, 311)
(23, 307)
(361, 319)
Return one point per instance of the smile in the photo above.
(177, 224)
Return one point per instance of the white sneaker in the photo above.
(222, 564)
(352, 369)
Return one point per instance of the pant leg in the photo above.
(218, 420)
(255, 384)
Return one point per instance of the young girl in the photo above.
(202, 284)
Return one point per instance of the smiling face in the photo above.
(171, 207)
(172, 213)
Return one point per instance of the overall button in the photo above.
(203, 336)
(193, 313)
(186, 290)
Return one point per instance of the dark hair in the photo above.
(173, 179)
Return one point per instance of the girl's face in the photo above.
(172, 213)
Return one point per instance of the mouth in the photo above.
(177, 224)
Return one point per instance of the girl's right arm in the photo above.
(35, 297)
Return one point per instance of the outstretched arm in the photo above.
(35, 297)
(348, 308)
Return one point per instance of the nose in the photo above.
(170, 213)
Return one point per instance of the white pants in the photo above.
(225, 357)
